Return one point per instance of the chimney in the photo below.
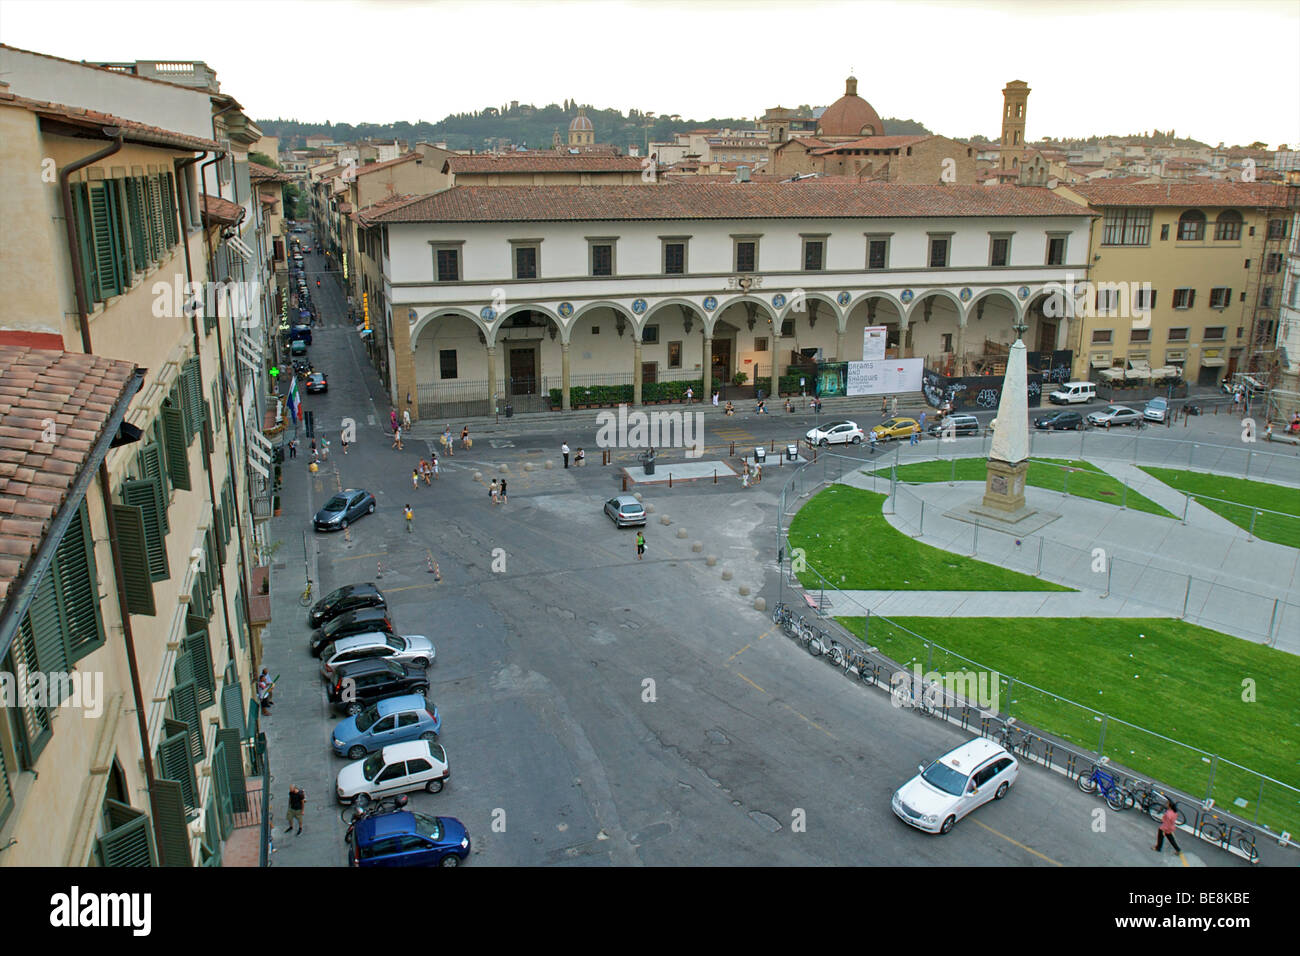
(742, 174)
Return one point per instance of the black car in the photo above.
(359, 684)
(1060, 421)
(344, 508)
(317, 382)
(955, 425)
(350, 597)
(365, 620)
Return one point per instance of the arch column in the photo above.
(706, 365)
(636, 367)
(905, 334)
(492, 375)
(839, 344)
(960, 367)
(564, 376)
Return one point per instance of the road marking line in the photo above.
(737, 654)
(813, 722)
(373, 554)
(1027, 849)
(408, 587)
(749, 682)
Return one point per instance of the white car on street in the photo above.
(961, 780)
(416, 765)
(413, 650)
(836, 433)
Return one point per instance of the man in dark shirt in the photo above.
(297, 799)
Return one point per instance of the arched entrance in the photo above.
(873, 309)
(527, 341)
(990, 320)
(748, 325)
(934, 327)
(450, 366)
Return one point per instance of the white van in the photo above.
(1074, 393)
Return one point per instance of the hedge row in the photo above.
(622, 394)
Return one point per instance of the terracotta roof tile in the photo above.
(131, 130)
(1107, 193)
(223, 211)
(871, 142)
(36, 476)
(542, 162)
(367, 168)
(812, 199)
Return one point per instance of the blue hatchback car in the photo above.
(392, 721)
(406, 838)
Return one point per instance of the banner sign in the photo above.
(885, 377)
(874, 340)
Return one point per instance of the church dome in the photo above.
(850, 115)
(581, 123)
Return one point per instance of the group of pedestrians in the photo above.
(497, 491)
(426, 469)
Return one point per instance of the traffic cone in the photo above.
(379, 569)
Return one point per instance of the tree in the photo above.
(263, 160)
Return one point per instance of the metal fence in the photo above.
(1218, 781)
(454, 400)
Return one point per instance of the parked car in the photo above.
(1157, 410)
(297, 348)
(836, 433)
(407, 838)
(413, 649)
(344, 508)
(364, 620)
(955, 425)
(394, 720)
(359, 684)
(297, 257)
(1060, 421)
(397, 768)
(317, 382)
(350, 597)
(302, 332)
(961, 780)
(625, 511)
(1114, 415)
(1073, 393)
(895, 428)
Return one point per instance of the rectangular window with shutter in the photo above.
(197, 652)
(85, 240)
(78, 584)
(112, 276)
(33, 723)
(174, 761)
(178, 458)
(127, 840)
(6, 792)
(172, 819)
(185, 709)
(153, 467)
(169, 208)
(192, 383)
(143, 494)
(135, 218)
(132, 544)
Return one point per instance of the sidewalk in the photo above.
(989, 604)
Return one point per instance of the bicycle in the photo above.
(857, 664)
(1009, 741)
(305, 599)
(1116, 797)
(1220, 831)
(365, 808)
(821, 643)
(1154, 802)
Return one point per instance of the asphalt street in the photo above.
(602, 710)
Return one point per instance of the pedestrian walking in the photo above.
(502, 494)
(446, 440)
(397, 438)
(1168, 824)
(315, 452)
(640, 545)
(343, 440)
(297, 801)
(923, 419)
(415, 478)
(690, 394)
(493, 490)
(564, 450)
(293, 448)
(872, 440)
(715, 399)
(464, 438)
(434, 465)
(884, 406)
(324, 449)
(410, 518)
(392, 418)
(406, 419)
(916, 435)
(265, 686)
(893, 407)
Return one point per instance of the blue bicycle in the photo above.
(1117, 798)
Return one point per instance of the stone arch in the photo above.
(946, 294)
(424, 321)
(988, 294)
(866, 296)
(695, 307)
(824, 297)
(724, 305)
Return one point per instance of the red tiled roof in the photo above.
(813, 199)
(223, 211)
(367, 168)
(78, 393)
(362, 216)
(259, 173)
(131, 130)
(1108, 193)
(811, 142)
(540, 162)
(871, 142)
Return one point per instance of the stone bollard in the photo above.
(726, 575)
(681, 532)
(649, 509)
(504, 469)
(528, 466)
(697, 546)
(548, 464)
(760, 604)
(639, 497)
(744, 590)
(711, 560)
(478, 476)
(664, 519)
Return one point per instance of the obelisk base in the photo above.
(1004, 492)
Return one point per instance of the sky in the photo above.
(1219, 72)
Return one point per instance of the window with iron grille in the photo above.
(674, 258)
(1102, 336)
(813, 255)
(525, 262)
(999, 250)
(1220, 296)
(746, 256)
(1215, 333)
(448, 261)
(1123, 226)
(1183, 298)
(602, 259)
(938, 252)
(1136, 336)
(1178, 335)
(877, 253)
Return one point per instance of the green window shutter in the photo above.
(169, 208)
(34, 722)
(199, 599)
(196, 647)
(133, 545)
(192, 382)
(128, 842)
(241, 624)
(173, 822)
(153, 467)
(216, 403)
(185, 708)
(6, 794)
(143, 494)
(110, 261)
(155, 216)
(222, 791)
(79, 588)
(210, 844)
(230, 740)
(232, 708)
(85, 241)
(135, 216)
(47, 628)
(178, 461)
(209, 443)
(174, 761)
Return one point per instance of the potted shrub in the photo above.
(740, 378)
(275, 505)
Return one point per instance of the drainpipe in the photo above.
(180, 165)
(105, 485)
(225, 409)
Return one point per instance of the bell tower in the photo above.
(1015, 97)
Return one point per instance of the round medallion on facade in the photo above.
(842, 298)
(778, 301)
(710, 303)
(639, 306)
(906, 296)
(565, 309)
(487, 313)
(1023, 292)
(965, 294)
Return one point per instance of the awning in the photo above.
(1100, 361)
(1136, 364)
(1112, 373)
(1166, 371)
(1213, 362)
(1137, 373)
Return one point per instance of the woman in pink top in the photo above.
(1168, 824)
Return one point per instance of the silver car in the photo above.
(1156, 410)
(625, 511)
(413, 650)
(1114, 415)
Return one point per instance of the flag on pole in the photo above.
(293, 402)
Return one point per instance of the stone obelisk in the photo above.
(1004, 485)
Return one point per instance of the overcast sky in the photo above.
(1217, 71)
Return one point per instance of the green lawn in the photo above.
(1247, 495)
(1083, 479)
(846, 538)
(1224, 695)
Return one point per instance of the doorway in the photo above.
(649, 373)
(721, 361)
(523, 371)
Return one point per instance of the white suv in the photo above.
(961, 780)
(836, 433)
